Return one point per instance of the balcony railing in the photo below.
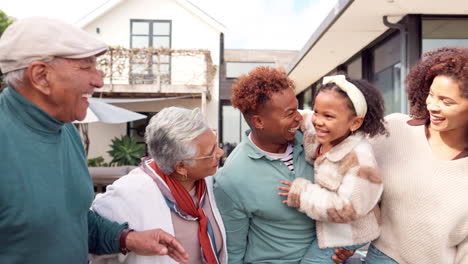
(149, 70)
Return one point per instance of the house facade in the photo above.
(377, 40)
(162, 53)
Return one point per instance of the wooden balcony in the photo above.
(159, 72)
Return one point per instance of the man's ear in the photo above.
(356, 123)
(257, 121)
(37, 73)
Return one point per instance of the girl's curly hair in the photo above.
(254, 89)
(449, 61)
(374, 123)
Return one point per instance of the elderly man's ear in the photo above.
(37, 73)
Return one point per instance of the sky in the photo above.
(250, 24)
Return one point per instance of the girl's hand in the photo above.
(286, 190)
(342, 254)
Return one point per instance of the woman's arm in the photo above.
(462, 252)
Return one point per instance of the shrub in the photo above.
(126, 151)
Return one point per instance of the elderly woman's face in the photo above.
(207, 158)
(447, 108)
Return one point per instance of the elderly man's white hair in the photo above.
(169, 136)
(14, 79)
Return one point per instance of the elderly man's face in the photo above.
(72, 81)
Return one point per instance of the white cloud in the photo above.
(267, 24)
(66, 10)
(251, 24)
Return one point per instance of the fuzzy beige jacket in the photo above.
(346, 191)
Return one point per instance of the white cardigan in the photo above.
(136, 199)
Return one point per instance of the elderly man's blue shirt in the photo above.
(46, 190)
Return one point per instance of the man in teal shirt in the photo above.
(45, 187)
(259, 227)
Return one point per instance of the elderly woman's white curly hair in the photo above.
(169, 136)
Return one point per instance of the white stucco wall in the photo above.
(193, 75)
(189, 31)
(100, 136)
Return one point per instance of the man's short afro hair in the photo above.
(254, 89)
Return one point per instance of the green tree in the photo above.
(5, 21)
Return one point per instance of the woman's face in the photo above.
(447, 108)
(207, 158)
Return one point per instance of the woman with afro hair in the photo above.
(424, 166)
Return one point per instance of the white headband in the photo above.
(354, 94)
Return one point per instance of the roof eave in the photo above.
(339, 8)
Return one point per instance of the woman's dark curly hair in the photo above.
(254, 89)
(450, 62)
(374, 123)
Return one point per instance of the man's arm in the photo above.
(104, 237)
(236, 222)
(155, 242)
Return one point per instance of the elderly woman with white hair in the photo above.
(170, 190)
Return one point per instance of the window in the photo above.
(150, 33)
(355, 68)
(388, 81)
(136, 129)
(236, 69)
(437, 33)
(307, 103)
(387, 74)
(234, 127)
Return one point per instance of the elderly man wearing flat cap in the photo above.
(45, 187)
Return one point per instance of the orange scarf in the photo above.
(185, 202)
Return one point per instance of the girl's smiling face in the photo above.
(333, 119)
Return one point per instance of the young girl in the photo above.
(347, 185)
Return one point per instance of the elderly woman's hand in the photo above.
(156, 242)
(342, 254)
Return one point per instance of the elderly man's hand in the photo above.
(156, 242)
(342, 254)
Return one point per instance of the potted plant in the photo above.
(126, 151)
(126, 154)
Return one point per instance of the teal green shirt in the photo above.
(259, 227)
(46, 190)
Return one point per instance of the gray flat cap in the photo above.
(40, 38)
